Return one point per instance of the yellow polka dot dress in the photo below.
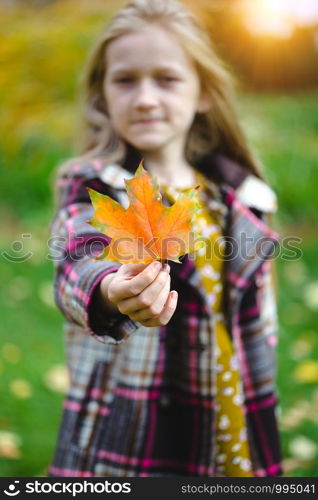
(232, 457)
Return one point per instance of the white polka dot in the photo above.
(218, 288)
(224, 422)
(243, 435)
(226, 376)
(217, 351)
(209, 229)
(221, 458)
(245, 464)
(221, 243)
(209, 272)
(205, 232)
(225, 437)
(219, 368)
(227, 391)
(234, 362)
(236, 460)
(236, 447)
(211, 298)
(237, 399)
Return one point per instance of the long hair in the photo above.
(217, 130)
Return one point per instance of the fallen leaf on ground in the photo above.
(300, 348)
(296, 415)
(303, 448)
(19, 288)
(46, 293)
(295, 272)
(291, 464)
(310, 295)
(21, 388)
(9, 445)
(57, 378)
(306, 371)
(11, 353)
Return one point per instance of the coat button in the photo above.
(165, 401)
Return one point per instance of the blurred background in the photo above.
(271, 48)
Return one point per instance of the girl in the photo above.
(172, 369)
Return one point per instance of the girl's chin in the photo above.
(147, 146)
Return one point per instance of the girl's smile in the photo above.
(150, 121)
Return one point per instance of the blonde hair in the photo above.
(216, 130)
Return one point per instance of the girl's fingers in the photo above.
(167, 312)
(126, 286)
(147, 297)
(155, 306)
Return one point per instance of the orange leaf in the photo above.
(147, 230)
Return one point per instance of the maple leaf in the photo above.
(147, 230)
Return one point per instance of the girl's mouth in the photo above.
(150, 121)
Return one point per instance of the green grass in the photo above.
(30, 323)
(283, 130)
(298, 327)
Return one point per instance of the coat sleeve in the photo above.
(77, 275)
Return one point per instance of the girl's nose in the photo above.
(145, 95)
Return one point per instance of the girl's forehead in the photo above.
(153, 43)
(121, 66)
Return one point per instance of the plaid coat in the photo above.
(141, 399)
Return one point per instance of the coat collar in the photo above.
(249, 243)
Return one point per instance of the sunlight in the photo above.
(278, 18)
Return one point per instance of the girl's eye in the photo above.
(168, 79)
(124, 80)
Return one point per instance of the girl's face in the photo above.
(152, 89)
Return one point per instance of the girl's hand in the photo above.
(142, 292)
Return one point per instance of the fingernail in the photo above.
(166, 268)
(174, 296)
(157, 266)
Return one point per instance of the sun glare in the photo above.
(277, 18)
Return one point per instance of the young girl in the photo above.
(172, 368)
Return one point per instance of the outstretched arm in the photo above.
(77, 276)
